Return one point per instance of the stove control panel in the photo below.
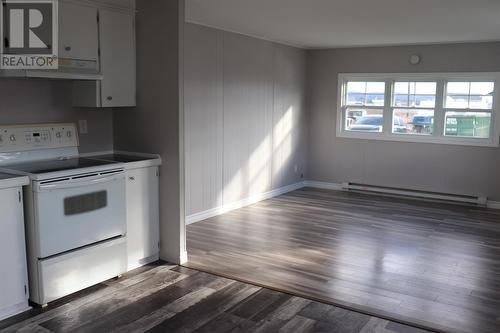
(33, 137)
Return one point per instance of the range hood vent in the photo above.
(69, 69)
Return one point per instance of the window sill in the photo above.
(419, 139)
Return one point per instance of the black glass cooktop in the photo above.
(122, 158)
(7, 176)
(41, 167)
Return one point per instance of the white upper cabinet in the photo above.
(117, 44)
(122, 4)
(78, 32)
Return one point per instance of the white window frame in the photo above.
(439, 111)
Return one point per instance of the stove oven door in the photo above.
(76, 212)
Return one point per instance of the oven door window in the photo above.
(85, 203)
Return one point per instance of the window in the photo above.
(365, 106)
(447, 108)
(413, 106)
(365, 93)
(468, 109)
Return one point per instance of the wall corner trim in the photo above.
(183, 258)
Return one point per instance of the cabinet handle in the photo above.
(67, 48)
(109, 98)
(131, 178)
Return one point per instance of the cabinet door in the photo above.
(117, 44)
(78, 32)
(13, 267)
(142, 215)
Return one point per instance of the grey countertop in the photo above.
(130, 159)
(9, 180)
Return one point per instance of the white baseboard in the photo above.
(242, 203)
(197, 217)
(340, 187)
(493, 204)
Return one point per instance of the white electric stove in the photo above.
(74, 207)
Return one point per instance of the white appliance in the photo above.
(13, 266)
(75, 210)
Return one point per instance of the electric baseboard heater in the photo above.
(480, 201)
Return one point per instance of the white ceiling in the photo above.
(348, 23)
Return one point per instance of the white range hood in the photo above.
(60, 74)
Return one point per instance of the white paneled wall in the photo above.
(244, 117)
(203, 118)
(288, 116)
(248, 111)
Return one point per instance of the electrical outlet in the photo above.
(83, 126)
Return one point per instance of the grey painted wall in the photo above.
(156, 124)
(433, 167)
(41, 101)
(244, 109)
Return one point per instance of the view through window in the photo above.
(446, 108)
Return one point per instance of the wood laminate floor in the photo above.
(434, 265)
(166, 298)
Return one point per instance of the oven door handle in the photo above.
(82, 182)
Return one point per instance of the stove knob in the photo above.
(12, 137)
(58, 135)
(69, 134)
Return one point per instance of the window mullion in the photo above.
(388, 114)
(343, 118)
(439, 112)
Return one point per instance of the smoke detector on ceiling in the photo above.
(415, 59)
